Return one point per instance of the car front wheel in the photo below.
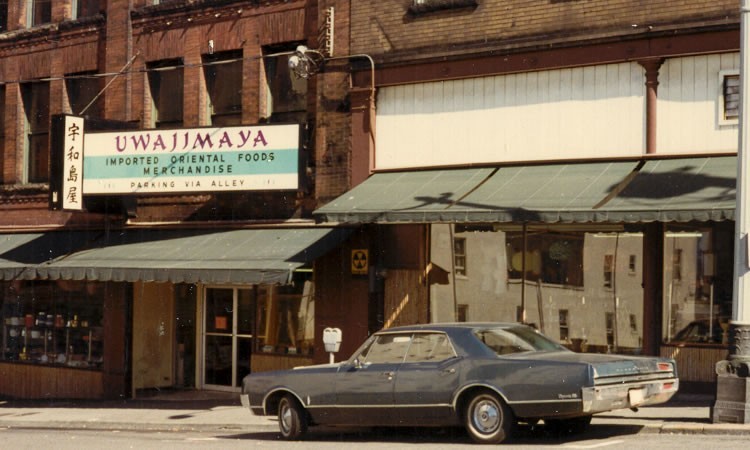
(487, 419)
(292, 418)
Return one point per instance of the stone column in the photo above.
(733, 382)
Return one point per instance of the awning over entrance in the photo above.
(250, 256)
(679, 189)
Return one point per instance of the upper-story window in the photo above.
(2, 124)
(84, 8)
(38, 12)
(82, 89)
(223, 72)
(36, 137)
(3, 16)
(165, 81)
(425, 6)
(286, 94)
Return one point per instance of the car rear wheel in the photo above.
(292, 418)
(487, 418)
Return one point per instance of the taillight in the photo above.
(665, 366)
(667, 386)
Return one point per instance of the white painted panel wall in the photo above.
(688, 107)
(560, 114)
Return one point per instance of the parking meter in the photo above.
(332, 341)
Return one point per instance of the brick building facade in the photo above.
(111, 325)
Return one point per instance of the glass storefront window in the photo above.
(698, 264)
(55, 323)
(286, 317)
(580, 287)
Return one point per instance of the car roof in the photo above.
(446, 326)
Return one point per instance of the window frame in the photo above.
(723, 119)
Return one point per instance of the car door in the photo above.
(364, 388)
(427, 380)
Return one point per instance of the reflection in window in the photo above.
(36, 105)
(459, 256)
(223, 73)
(286, 95)
(609, 327)
(557, 286)
(549, 257)
(3, 16)
(286, 317)
(38, 12)
(84, 8)
(697, 295)
(429, 347)
(609, 267)
(462, 313)
(165, 81)
(82, 88)
(386, 349)
(564, 336)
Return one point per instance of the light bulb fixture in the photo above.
(305, 62)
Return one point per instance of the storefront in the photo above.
(127, 310)
(623, 256)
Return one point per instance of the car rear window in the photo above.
(505, 341)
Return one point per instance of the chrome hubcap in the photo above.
(286, 417)
(486, 416)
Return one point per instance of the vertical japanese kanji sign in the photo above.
(67, 163)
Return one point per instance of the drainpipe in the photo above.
(652, 83)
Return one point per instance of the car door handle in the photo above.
(451, 370)
(389, 375)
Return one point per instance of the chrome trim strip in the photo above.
(430, 405)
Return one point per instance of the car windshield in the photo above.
(504, 341)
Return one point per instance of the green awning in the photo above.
(251, 256)
(20, 253)
(679, 189)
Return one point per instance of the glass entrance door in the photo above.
(229, 315)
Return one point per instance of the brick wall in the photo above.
(388, 30)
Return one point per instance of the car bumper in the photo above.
(628, 395)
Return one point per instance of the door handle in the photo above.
(389, 375)
(451, 370)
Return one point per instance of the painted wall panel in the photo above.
(586, 112)
(561, 114)
(688, 105)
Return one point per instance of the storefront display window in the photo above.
(286, 319)
(579, 286)
(52, 323)
(697, 284)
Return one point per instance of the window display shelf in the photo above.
(69, 346)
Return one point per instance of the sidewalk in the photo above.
(217, 411)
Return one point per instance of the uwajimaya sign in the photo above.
(250, 157)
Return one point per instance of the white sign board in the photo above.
(241, 158)
(72, 180)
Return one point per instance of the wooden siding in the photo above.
(688, 105)
(267, 363)
(582, 112)
(406, 301)
(695, 363)
(37, 381)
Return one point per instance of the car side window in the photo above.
(430, 347)
(386, 349)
